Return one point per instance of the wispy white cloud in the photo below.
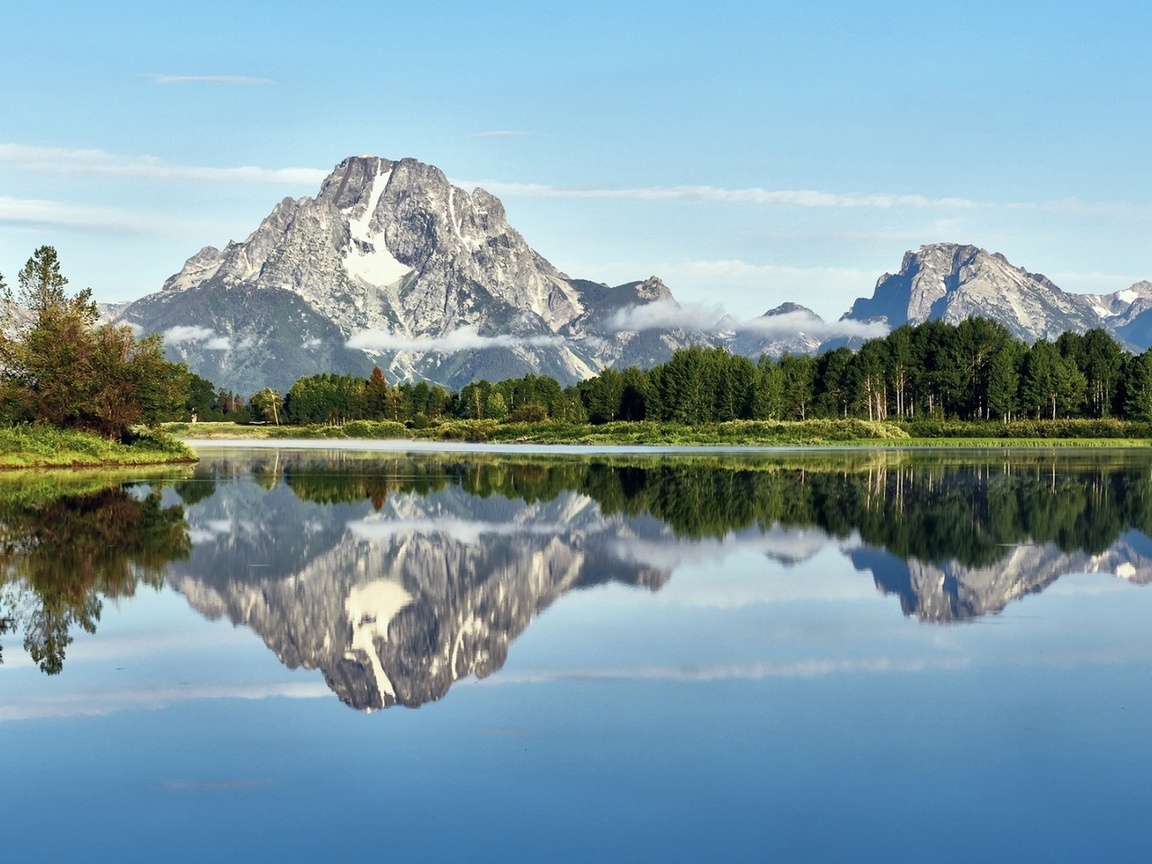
(464, 339)
(243, 80)
(807, 198)
(97, 703)
(192, 333)
(62, 160)
(187, 333)
(820, 199)
(36, 213)
(662, 314)
(734, 672)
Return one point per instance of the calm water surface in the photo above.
(290, 655)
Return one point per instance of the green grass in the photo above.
(40, 446)
(744, 433)
(737, 433)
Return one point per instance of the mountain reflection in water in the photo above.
(398, 576)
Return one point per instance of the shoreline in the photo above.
(741, 435)
(45, 448)
(407, 445)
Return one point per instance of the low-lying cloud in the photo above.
(191, 333)
(791, 323)
(467, 532)
(464, 339)
(668, 314)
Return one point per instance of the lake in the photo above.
(511, 655)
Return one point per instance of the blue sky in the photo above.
(747, 153)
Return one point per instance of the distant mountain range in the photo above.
(391, 265)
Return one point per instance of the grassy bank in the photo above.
(815, 433)
(37, 446)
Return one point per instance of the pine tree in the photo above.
(1004, 381)
(1138, 386)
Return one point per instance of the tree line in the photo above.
(58, 366)
(975, 371)
(334, 398)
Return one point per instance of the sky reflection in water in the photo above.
(832, 657)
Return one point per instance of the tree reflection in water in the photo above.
(960, 508)
(62, 551)
(375, 568)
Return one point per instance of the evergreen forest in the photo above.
(935, 371)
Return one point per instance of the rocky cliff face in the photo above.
(1127, 313)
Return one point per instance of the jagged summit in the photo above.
(377, 225)
(952, 281)
(383, 265)
(791, 308)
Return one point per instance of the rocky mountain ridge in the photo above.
(391, 265)
(951, 282)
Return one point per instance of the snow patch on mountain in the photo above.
(366, 257)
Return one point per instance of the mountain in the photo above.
(1127, 313)
(392, 265)
(950, 591)
(950, 282)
